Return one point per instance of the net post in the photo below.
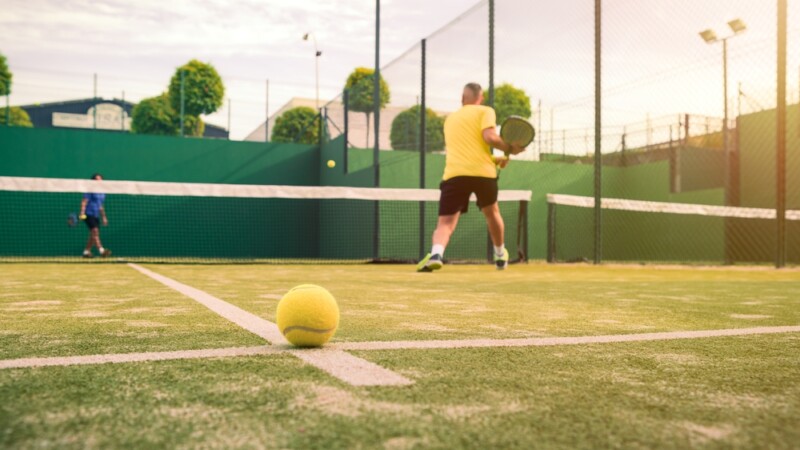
(523, 231)
(551, 231)
(422, 148)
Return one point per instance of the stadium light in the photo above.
(737, 27)
(317, 54)
(709, 36)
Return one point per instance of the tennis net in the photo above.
(193, 222)
(647, 231)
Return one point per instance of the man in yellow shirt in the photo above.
(470, 167)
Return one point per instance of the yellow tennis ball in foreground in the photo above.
(308, 315)
(331, 163)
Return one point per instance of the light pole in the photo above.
(737, 27)
(317, 54)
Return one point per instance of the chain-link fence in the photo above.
(687, 115)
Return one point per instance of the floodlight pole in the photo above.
(738, 27)
(317, 54)
(725, 146)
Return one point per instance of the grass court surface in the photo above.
(487, 356)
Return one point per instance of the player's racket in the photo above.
(516, 130)
(72, 219)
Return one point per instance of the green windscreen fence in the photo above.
(186, 222)
(645, 231)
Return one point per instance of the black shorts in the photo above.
(92, 222)
(455, 193)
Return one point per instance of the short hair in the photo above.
(95, 175)
(475, 88)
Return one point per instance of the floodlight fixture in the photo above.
(737, 26)
(709, 36)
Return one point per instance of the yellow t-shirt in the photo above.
(466, 153)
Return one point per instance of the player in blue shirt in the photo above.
(92, 212)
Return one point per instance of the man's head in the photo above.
(97, 176)
(473, 94)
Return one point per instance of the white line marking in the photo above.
(136, 357)
(539, 342)
(355, 371)
(335, 361)
(344, 366)
(250, 322)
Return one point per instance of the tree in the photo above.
(361, 89)
(17, 117)
(203, 90)
(509, 101)
(5, 77)
(405, 130)
(298, 125)
(192, 125)
(154, 115)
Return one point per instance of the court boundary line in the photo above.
(331, 352)
(342, 365)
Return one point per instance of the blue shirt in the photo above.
(95, 202)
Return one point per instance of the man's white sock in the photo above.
(86, 252)
(437, 249)
(101, 250)
(499, 250)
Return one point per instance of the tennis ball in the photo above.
(331, 163)
(308, 315)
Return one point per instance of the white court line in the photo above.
(346, 367)
(538, 342)
(336, 364)
(136, 357)
(250, 322)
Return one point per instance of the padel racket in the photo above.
(72, 220)
(516, 130)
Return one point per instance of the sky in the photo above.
(54, 47)
(654, 63)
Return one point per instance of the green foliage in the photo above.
(5, 77)
(361, 87)
(154, 115)
(192, 125)
(509, 101)
(17, 117)
(203, 89)
(297, 125)
(405, 130)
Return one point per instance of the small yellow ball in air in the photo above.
(331, 163)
